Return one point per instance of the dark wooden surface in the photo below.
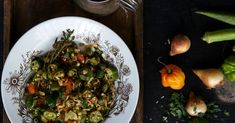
(21, 15)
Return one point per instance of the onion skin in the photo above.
(195, 105)
(179, 44)
(211, 78)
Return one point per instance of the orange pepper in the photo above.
(173, 77)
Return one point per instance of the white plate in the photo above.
(40, 38)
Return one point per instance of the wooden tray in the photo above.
(21, 15)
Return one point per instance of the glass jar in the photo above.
(99, 7)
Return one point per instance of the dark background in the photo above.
(166, 18)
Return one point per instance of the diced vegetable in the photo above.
(68, 86)
(95, 117)
(52, 67)
(43, 119)
(100, 74)
(54, 86)
(59, 75)
(39, 76)
(94, 60)
(93, 84)
(111, 73)
(36, 112)
(36, 65)
(70, 116)
(30, 102)
(32, 89)
(105, 88)
(81, 57)
(48, 115)
(72, 72)
(90, 50)
(86, 74)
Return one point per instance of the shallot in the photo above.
(195, 105)
(211, 77)
(179, 44)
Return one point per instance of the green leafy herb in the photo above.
(59, 46)
(176, 105)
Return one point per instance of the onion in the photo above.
(211, 77)
(195, 105)
(179, 44)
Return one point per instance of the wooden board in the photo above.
(21, 15)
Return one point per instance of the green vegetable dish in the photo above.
(71, 84)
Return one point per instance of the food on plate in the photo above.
(225, 17)
(228, 68)
(195, 105)
(219, 35)
(179, 44)
(211, 77)
(172, 76)
(71, 83)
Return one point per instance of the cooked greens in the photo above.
(71, 83)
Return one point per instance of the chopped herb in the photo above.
(165, 119)
(226, 113)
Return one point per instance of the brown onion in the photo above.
(179, 44)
